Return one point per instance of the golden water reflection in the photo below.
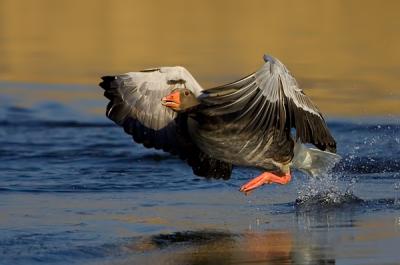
(344, 53)
(314, 245)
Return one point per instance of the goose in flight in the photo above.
(249, 122)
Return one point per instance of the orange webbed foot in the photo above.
(265, 178)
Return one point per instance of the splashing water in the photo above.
(326, 191)
(373, 152)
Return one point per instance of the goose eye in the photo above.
(186, 93)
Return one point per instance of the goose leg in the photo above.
(266, 178)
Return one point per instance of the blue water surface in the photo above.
(74, 188)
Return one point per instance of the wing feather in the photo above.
(283, 106)
(135, 104)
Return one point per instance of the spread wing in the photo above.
(269, 99)
(135, 104)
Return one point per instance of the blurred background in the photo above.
(345, 54)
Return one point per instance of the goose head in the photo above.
(180, 100)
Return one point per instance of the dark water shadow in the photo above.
(190, 237)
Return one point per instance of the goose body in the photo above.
(245, 123)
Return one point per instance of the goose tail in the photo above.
(313, 162)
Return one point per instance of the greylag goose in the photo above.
(245, 123)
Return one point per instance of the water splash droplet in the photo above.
(326, 191)
(396, 193)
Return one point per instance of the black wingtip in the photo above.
(107, 79)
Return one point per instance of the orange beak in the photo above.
(172, 101)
